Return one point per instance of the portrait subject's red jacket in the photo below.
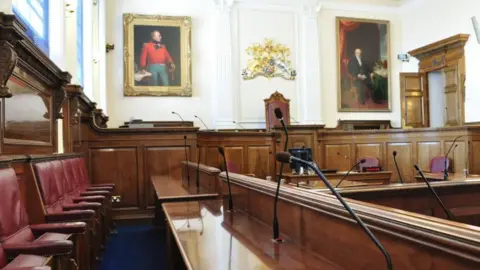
(151, 55)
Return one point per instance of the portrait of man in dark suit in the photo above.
(363, 51)
(361, 73)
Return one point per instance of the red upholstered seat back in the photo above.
(71, 182)
(83, 173)
(13, 216)
(437, 164)
(49, 187)
(369, 162)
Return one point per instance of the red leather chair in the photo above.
(59, 197)
(232, 167)
(18, 237)
(437, 164)
(24, 262)
(369, 162)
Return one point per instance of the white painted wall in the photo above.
(6, 6)
(328, 49)
(122, 108)
(427, 21)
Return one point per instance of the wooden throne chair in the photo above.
(276, 100)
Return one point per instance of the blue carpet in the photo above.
(135, 247)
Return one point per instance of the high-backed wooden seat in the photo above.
(276, 100)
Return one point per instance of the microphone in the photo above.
(178, 115)
(186, 159)
(447, 212)
(276, 230)
(238, 124)
(198, 168)
(201, 121)
(453, 158)
(396, 165)
(230, 201)
(445, 171)
(338, 153)
(345, 176)
(288, 158)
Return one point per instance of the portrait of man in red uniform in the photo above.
(156, 60)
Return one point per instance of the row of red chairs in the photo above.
(76, 215)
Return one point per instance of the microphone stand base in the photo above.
(278, 240)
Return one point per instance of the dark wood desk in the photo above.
(172, 190)
(353, 179)
(202, 239)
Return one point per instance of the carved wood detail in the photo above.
(8, 60)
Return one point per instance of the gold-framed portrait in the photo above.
(364, 66)
(157, 55)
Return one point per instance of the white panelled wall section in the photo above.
(223, 29)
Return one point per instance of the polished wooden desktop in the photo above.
(168, 189)
(451, 177)
(353, 179)
(201, 239)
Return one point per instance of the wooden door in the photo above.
(452, 96)
(414, 99)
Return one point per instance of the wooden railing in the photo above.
(319, 222)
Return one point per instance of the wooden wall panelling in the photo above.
(235, 155)
(29, 119)
(457, 155)
(404, 161)
(212, 157)
(259, 160)
(475, 157)
(117, 165)
(369, 150)
(249, 151)
(338, 156)
(170, 158)
(425, 152)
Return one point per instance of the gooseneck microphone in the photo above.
(186, 159)
(276, 230)
(396, 165)
(345, 176)
(201, 121)
(198, 168)
(238, 124)
(447, 212)
(178, 115)
(288, 158)
(445, 169)
(230, 201)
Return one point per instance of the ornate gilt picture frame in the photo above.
(364, 66)
(157, 55)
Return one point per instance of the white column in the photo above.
(223, 109)
(56, 30)
(87, 21)
(310, 105)
(101, 91)
(70, 54)
(6, 6)
(57, 39)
